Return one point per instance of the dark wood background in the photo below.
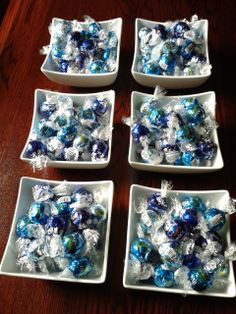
(24, 31)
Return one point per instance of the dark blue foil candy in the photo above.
(55, 225)
(79, 217)
(180, 28)
(46, 108)
(175, 230)
(139, 130)
(100, 106)
(206, 149)
(100, 149)
(157, 203)
(161, 30)
(189, 217)
(35, 148)
(191, 261)
(199, 279)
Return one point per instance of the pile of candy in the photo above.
(178, 244)
(176, 48)
(69, 131)
(89, 48)
(63, 232)
(177, 132)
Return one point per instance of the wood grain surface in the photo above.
(24, 31)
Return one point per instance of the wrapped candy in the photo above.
(62, 232)
(177, 242)
(173, 132)
(70, 132)
(177, 48)
(163, 277)
(83, 48)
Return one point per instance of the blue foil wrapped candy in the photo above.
(163, 278)
(139, 130)
(215, 218)
(81, 267)
(73, 243)
(157, 203)
(55, 225)
(199, 279)
(35, 148)
(22, 227)
(141, 250)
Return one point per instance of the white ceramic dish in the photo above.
(8, 263)
(84, 80)
(218, 197)
(39, 96)
(168, 81)
(136, 99)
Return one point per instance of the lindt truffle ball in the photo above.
(81, 267)
(55, 225)
(157, 203)
(39, 212)
(73, 243)
(139, 130)
(199, 279)
(141, 250)
(22, 227)
(215, 218)
(163, 277)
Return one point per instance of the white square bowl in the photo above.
(218, 197)
(168, 81)
(136, 99)
(8, 264)
(50, 69)
(39, 96)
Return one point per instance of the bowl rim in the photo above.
(175, 167)
(33, 180)
(54, 163)
(44, 69)
(174, 290)
(167, 77)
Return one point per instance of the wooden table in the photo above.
(24, 31)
